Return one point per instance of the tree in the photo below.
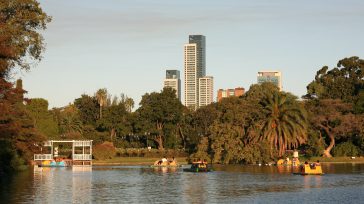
(342, 82)
(285, 124)
(88, 109)
(42, 118)
(259, 91)
(17, 132)
(20, 45)
(332, 118)
(114, 120)
(20, 41)
(101, 96)
(128, 102)
(231, 130)
(158, 109)
(70, 123)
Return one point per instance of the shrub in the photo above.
(105, 150)
(346, 149)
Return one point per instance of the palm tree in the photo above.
(285, 122)
(101, 96)
(129, 104)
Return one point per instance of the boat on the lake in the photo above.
(54, 163)
(166, 163)
(310, 169)
(199, 167)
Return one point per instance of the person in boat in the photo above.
(317, 163)
(303, 166)
(172, 162)
(164, 161)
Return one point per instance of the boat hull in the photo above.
(164, 166)
(197, 170)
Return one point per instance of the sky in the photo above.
(125, 46)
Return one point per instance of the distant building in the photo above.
(194, 68)
(173, 80)
(221, 93)
(274, 77)
(206, 90)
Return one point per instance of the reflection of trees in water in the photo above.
(13, 187)
(195, 187)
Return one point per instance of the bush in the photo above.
(105, 150)
(346, 149)
(152, 153)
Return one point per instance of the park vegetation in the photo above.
(260, 126)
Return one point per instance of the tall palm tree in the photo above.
(129, 104)
(285, 124)
(101, 96)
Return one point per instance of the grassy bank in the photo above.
(134, 161)
(337, 159)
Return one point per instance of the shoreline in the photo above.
(142, 161)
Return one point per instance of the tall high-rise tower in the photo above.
(195, 68)
(173, 80)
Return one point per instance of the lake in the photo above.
(342, 183)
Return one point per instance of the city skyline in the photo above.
(125, 46)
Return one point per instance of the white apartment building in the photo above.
(206, 90)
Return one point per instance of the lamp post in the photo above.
(147, 136)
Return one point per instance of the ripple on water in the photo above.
(228, 184)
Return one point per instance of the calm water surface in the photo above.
(342, 183)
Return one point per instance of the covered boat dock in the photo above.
(81, 152)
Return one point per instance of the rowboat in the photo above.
(198, 167)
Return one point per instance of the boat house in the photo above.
(81, 152)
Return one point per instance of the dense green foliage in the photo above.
(105, 150)
(20, 45)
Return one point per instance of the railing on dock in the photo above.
(82, 157)
(82, 143)
(38, 157)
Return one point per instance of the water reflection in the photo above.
(142, 184)
(54, 185)
(312, 181)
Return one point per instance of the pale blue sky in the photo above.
(126, 45)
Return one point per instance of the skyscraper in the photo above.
(274, 77)
(173, 80)
(195, 68)
(206, 90)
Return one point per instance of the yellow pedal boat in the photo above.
(310, 170)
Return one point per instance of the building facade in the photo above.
(194, 68)
(206, 91)
(274, 77)
(173, 80)
(221, 93)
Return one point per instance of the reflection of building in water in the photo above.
(81, 184)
